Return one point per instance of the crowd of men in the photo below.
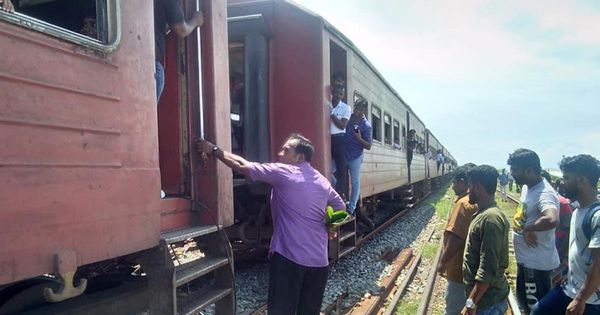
(547, 235)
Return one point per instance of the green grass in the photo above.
(409, 308)
(509, 208)
(442, 200)
(429, 250)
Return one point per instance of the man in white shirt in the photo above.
(340, 114)
(581, 293)
(533, 229)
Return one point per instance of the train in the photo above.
(87, 150)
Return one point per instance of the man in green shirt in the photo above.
(486, 250)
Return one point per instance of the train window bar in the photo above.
(94, 24)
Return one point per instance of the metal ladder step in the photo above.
(346, 235)
(199, 300)
(175, 236)
(195, 269)
(346, 250)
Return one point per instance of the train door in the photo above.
(248, 84)
(249, 116)
(427, 155)
(174, 122)
(338, 67)
(409, 146)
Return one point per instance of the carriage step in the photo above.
(175, 236)
(346, 250)
(199, 300)
(409, 198)
(193, 270)
(346, 235)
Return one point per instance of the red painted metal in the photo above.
(169, 122)
(214, 179)
(296, 82)
(79, 165)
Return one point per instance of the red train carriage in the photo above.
(281, 59)
(83, 151)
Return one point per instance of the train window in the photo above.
(397, 135)
(91, 23)
(387, 129)
(376, 122)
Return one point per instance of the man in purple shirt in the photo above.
(299, 264)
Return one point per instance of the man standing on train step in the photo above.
(169, 15)
(359, 136)
(299, 264)
(534, 229)
(339, 114)
(581, 293)
(486, 250)
(455, 235)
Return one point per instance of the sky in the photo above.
(486, 77)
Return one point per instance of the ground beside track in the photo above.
(438, 304)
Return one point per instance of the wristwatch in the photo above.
(214, 150)
(470, 304)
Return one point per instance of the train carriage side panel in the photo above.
(79, 163)
(384, 167)
(296, 82)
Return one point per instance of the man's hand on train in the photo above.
(6, 5)
(204, 146)
(198, 18)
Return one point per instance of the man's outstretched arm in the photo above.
(235, 162)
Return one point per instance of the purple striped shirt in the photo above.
(299, 197)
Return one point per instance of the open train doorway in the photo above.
(338, 67)
(179, 108)
(249, 116)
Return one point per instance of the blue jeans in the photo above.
(159, 75)
(455, 297)
(556, 302)
(354, 169)
(496, 309)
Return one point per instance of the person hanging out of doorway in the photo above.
(169, 15)
(340, 113)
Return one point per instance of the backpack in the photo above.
(586, 226)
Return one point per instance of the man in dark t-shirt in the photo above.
(169, 15)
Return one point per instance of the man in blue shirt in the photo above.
(358, 137)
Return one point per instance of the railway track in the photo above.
(430, 286)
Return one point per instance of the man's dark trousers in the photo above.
(338, 153)
(295, 289)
